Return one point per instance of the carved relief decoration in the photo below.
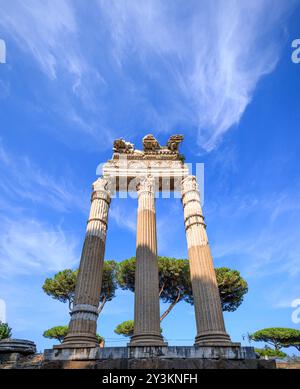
(151, 149)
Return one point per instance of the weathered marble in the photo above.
(21, 346)
(146, 305)
(146, 352)
(171, 357)
(84, 315)
(164, 163)
(207, 302)
(146, 171)
(11, 350)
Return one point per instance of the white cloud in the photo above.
(204, 61)
(283, 296)
(28, 245)
(43, 28)
(50, 33)
(31, 247)
(264, 253)
(21, 180)
(123, 214)
(261, 233)
(215, 52)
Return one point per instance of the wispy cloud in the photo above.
(31, 247)
(50, 37)
(170, 234)
(124, 215)
(263, 254)
(209, 57)
(28, 244)
(44, 28)
(267, 242)
(21, 180)
(283, 295)
(204, 62)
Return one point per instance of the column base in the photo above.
(214, 339)
(79, 341)
(147, 340)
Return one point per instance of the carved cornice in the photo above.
(174, 142)
(164, 163)
(121, 146)
(151, 149)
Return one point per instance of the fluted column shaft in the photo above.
(146, 307)
(207, 303)
(84, 315)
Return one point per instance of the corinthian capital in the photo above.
(101, 185)
(146, 184)
(189, 183)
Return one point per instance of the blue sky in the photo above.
(76, 77)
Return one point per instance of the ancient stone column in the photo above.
(146, 307)
(84, 315)
(207, 303)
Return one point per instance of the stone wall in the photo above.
(18, 361)
(37, 362)
(288, 365)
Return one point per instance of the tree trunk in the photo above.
(277, 346)
(161, 289)
(101, 306)
(179, 296)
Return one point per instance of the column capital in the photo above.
(146, 184)
(102, 185)
(100, 199)
(188, 184)
(146, 194)
(102, 189)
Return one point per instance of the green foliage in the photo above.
(232, 288)
(173, 277)
(295, 344)
(109, 281)
(269, 352)
(278, 337)
(5, 331)
(126, 274)
(62, 286)
(126, 328)
(58, 333)
(175, 282)
(100, 338)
